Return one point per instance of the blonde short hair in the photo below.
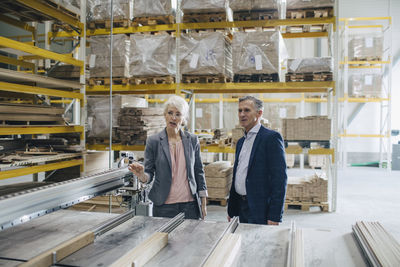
(180, 104)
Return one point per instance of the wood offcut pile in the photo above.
(307, 189)
(136, 124)
(378, 246)
(30, 114)
(219, 179)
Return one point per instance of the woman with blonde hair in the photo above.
(172, 160)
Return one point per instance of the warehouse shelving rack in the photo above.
(383, 27)
(197, 89)
(44, 12)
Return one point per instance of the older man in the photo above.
(259, 176)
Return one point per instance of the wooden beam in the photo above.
(141, 254)
(63, 250)
(226, 251)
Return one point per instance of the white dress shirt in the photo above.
(244, 158)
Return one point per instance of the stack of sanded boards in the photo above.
(136, 124)
(219, 179)
(379, 247)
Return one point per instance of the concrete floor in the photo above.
(368, 194)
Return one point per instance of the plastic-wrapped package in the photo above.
(313, 64)
(365, 85)
(205, 53)
(99, 59)
(99, 10)
(203, 6)
(257, 52)
(152, 55)
(237, 5)
(145, 8)
(98, 112)
(366, 48)
(296, 4)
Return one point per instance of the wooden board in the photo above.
(141, 254)
(226, 251)
(63, 250)
(42, 81)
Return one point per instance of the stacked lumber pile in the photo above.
(205, 53)
(237, 133)
(219, 179)
(313, 128)
(137, 124)
(30, 114)
(67, 72)
(312, 189)
(379, 247)
(98, 115)
(256, 56)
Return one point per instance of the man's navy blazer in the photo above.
(266, 178)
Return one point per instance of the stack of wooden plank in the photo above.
(219, 179)
(312, 189)
(136, 124)
(313, 128)
(30, 114)
(237, 133)
(379, 247)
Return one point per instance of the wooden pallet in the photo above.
(153, 20)
(255, 15)
(152, 80)
(187, 78)
(368, 58)
(106, 24)
(217, 201)
(204, 17)
(307, 143)
(249, 78)
(309, 77)
(106, 81)
(307, 28)
(309, 13)
(305, 206)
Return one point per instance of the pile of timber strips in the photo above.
(378, 246)
(218, 178)
(136, 124)
(307, 189)
(30, 114)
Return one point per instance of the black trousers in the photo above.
(191, 210)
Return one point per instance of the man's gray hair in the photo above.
(258, 104)
(180, 104)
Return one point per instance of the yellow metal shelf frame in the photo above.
(27, 129)
(216, 88)
(40, 168)
(19, 88)
(19, 46)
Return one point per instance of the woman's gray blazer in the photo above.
(157, 165)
